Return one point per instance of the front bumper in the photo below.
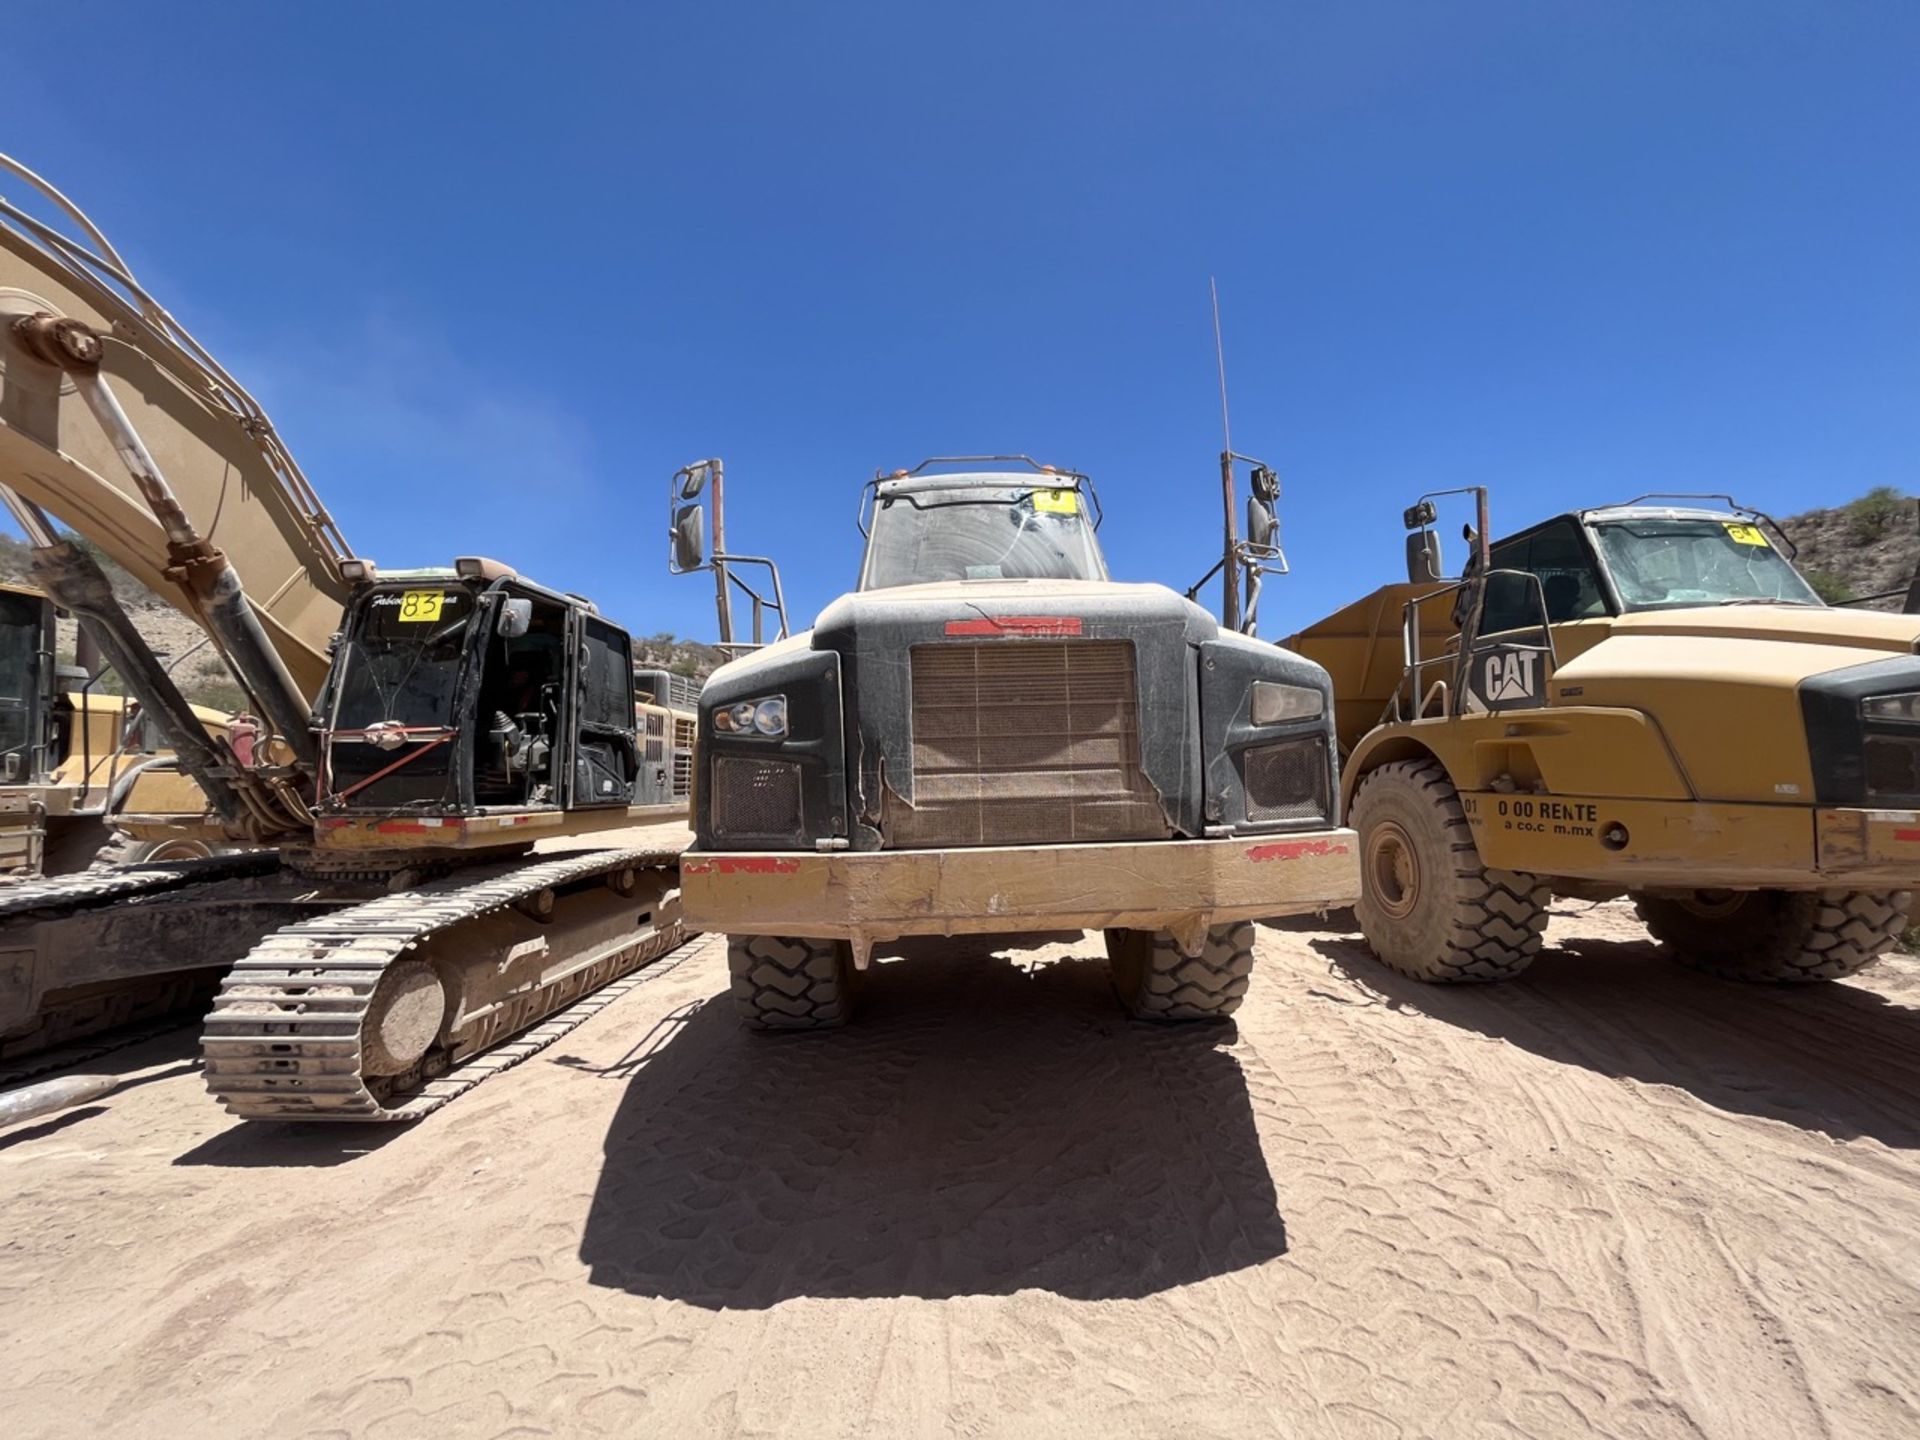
(871, 896)
(1879, 846)
(1697, 845)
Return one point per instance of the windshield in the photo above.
(981, 533)
(1670, 563)
(404, 658)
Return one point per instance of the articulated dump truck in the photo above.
(1644, 700)
(989, 736)
(76, 760)
(385, 928)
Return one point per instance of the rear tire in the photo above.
(790, 984)
(1156, 980)
(1428, 906)
(1776, 936)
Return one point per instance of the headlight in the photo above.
(1892, 707)
(1274, 703)
(753, 717)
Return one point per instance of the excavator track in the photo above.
(36, 1063)
(109, 1016)
(103, 887)
(289, 1034)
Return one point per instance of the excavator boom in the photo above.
(211, 439)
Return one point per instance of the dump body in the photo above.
(967, 751)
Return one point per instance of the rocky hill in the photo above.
(667, 651)
(1869, 546)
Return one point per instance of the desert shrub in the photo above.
(1870, 515)
(218, 695)
(1829, 587)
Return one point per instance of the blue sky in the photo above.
(497, 269)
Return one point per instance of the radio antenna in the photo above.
(1230, 559)
(1220, 359)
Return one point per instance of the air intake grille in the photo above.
(1025, 742)
(1893, 767)
(1286, 781)
(683, 731)
(755, 799)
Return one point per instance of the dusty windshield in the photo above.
(981, 533)
(404, 658)
(1670, 563)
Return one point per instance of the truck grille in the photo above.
(755, 799)
(1025, 742)
(1288, 781)
(1893, 767)
(683, 731)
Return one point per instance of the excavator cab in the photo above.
(475, 692)
(26, 683)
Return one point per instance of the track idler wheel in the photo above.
(409, 1006)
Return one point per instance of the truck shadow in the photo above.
(985, 1127)
(1836, 1059)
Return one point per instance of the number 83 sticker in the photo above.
(417, 606)
(1743, 534)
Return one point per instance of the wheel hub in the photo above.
(1392, 870)
(404, 1018)
(1713, 904)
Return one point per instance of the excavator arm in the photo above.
(233, 478)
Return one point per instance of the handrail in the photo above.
(1411, 674)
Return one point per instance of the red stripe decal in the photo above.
(1295, 849)
(1906, 834)
(741, 865)
(1047, 625)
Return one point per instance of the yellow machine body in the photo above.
(1671, 749)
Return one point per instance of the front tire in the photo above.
(790, 984)
(1776, 936)
(1428, 906)
(1156, 980)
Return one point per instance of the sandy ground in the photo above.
(1612, 1198)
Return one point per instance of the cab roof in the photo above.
(1660, 512)
(978, 480)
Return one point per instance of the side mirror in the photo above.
(1262, 524)
(689, 538)
(516, 618)
(1423, 557)
(689, 482)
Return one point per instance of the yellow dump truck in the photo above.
(78, 763)
(1643, 699)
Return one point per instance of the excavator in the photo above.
(73, 755)
(383, 934)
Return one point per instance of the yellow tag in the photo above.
(1745, 534)
(417, 606)
(1057, 502)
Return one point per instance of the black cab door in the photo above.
(606, 751)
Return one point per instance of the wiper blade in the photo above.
(1764, 600)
